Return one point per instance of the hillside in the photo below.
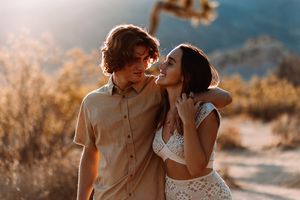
(258, 56)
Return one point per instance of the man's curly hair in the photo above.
(118, 48)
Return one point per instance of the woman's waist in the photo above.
(178, 171)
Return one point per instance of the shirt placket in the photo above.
(129, 142)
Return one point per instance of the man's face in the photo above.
(134, 71)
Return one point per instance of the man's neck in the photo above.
(120, 82)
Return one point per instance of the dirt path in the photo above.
(262, 174)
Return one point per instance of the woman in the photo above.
(186, 135)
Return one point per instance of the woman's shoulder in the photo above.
(203, 110)
(205, 107)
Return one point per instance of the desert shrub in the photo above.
(287, 129)
(271, 96)
(38, 107)
(239, 90)
(289, 69)
(52, 178)
(41, 88)
(264, 98)
(230, 139)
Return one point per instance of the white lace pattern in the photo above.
(176, 144)
(209, 187)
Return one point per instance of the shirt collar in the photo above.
(110, 85)
(137, 86)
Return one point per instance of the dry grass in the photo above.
(262, 98)
(269, 98)
(287, 130)
(53, 178)
(38, 109)
(289, 69)
(230, 139)
(38, 106)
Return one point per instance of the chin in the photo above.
(136, 80)
(159, 82)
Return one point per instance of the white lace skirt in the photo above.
(208, 187)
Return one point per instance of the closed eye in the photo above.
(168, 62)
(146, 58)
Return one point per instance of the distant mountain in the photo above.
(259, 56)
(238, 20)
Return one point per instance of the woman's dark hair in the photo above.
(198, 75)
(118, 48)
(197, 71)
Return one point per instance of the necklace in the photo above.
(169, 122)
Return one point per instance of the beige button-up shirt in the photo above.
(122, 125)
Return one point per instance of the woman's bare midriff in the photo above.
(180, 172)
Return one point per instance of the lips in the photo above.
(161, 74)
(138, 73)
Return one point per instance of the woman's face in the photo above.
(170, 70)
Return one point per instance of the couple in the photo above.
(144, 137)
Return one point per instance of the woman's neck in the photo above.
(173, 94)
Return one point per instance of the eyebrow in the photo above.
(173, 59)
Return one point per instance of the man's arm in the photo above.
(88, 170)
(217, 96)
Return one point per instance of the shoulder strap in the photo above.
(203, 110)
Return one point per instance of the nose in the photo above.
(162, 66)
(140, 65)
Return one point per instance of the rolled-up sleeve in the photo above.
(84, 133)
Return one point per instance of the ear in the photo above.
(182, 78)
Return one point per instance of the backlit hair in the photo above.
(118, 48)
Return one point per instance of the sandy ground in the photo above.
(262, 174)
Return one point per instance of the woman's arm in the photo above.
(197, 153)
(88, 170)
(199, 144)
(217, 96)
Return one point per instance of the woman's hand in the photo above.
(186, 109)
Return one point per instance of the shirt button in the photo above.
(129, 194)
(131, 156)
(125, 116)
(123, 96)
(128, 136)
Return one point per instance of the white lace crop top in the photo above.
(173, 149)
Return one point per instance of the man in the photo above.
(117, 122)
